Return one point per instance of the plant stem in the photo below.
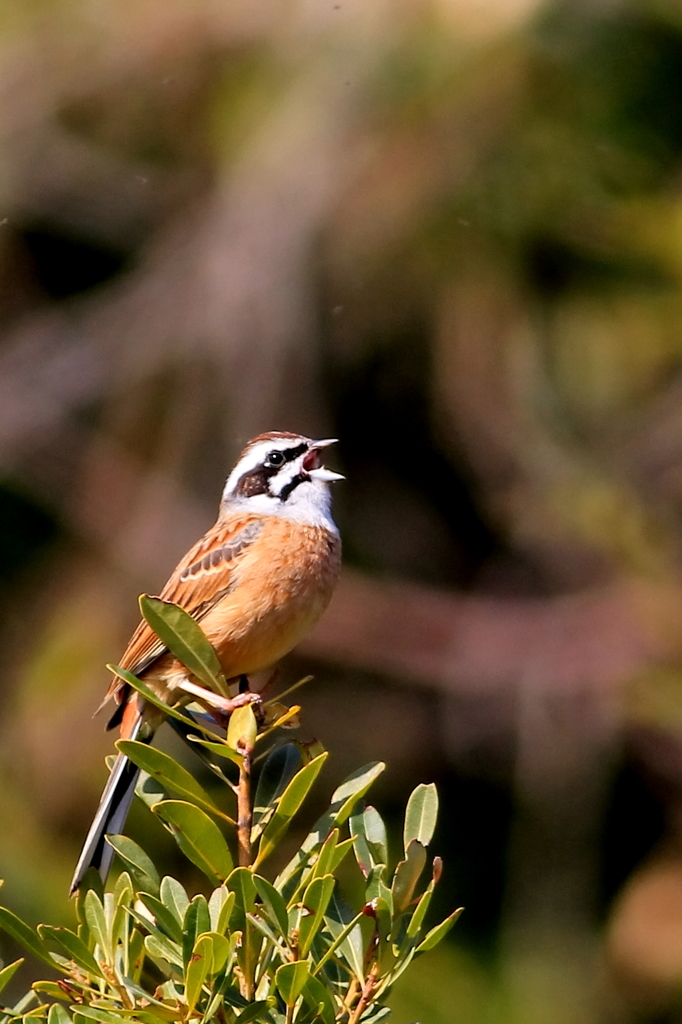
(367, 994)
(244, 810)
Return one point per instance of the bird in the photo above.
(257, 581)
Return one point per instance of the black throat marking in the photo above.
(291, 486)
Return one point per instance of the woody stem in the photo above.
(244, 810)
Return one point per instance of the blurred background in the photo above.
(448, 232)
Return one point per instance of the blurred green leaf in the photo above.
(421, 815)
(254, 1011)
(7, 973)
(58, 1015)
(439, 932)
(287, 806)
(197, 921)
(169, 773)
(165, 918)
(140, 864)
(199, 967)
(407, 875)
(279, 768)
(198, 837)
(184, 637)
(319, 1000)
(74, 947)
(24, 935)
(242, 728)
(273, 904)
(290, 980)
(417, 918)
(315, 902)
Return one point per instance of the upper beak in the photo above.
(311, 462)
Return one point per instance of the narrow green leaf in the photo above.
(174, 897)
(290, 980)
(199, 967)
(7, 973)
(221, 950)
(160, 948)
(279, 768)
(315, 902)
(169, 773)
(439, 932)
(141, 866)
(165, 918)
(276, 944)
(253, 1012)
(219, 907)
(417, 918)
(242, 883)
(421, 815)
(221, 749)
(242, 728)
(325, 858)
(288, 804)
(75, 948)
(407, 875)
(185, 638)
(135, 955)
(375, 834)
(273, 904)
(198, 837)
(319, 1000)
(197, 921)
(342, 934)
(24, 935)
(99, 1015)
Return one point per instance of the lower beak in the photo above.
(311, 463)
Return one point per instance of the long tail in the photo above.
(111, 813)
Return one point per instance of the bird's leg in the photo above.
(243, 684)
(211, 700)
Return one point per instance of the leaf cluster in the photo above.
(288, 950)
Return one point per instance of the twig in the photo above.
(244, 809)
(367, 994)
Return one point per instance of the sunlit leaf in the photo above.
(198, 837)
(141, 866)
(242, 728)
(347, 936)
(315, 902)
(417, 919)
(174, 897)
(7, 973)
(273, 904)
(289, 803)
(164, 917)
(421, 815)
(319, 1000)
(184, 637)
(439, 932)
(279, 768)
(58, 1015)
(199, 967)
(24, 935)
(290, 979)
(75, 948)
(221, 749)
(169, 773)
(197, 921)
(407, 875)
(219, 908)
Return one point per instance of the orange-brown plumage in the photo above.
(256, 582)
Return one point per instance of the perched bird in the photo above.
(256, 582)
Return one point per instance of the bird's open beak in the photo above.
(311, 463)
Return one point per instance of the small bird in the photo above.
(257, 581)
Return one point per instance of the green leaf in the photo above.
(141, 866)
(375, 834)
(347, 946)
(165, 918)
(242, 728)
(185, 638)
(197, 921)
(421, 815)
(221, 749)
(273, 904)
(169, 773)
(24, 935)
(279, 768)
(163, 949)
(319, 1000)
(199, 967)
(417, 918)
(220, 907)
(151, 697)
(74, 947)
(221, 951)
(174, 897)
(198, 837)
(242, 883)
(101, 1016)
(290, 980)
(315, 901)
(58, 1015)
(289, 802)
(439, 932)
(407, 875)
(253, 1011)
(7, 973)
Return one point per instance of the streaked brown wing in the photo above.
(202, 577)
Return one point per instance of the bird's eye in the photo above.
(274, 459)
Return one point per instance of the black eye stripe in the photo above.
(292, 453)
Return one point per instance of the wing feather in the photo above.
(202, 577)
